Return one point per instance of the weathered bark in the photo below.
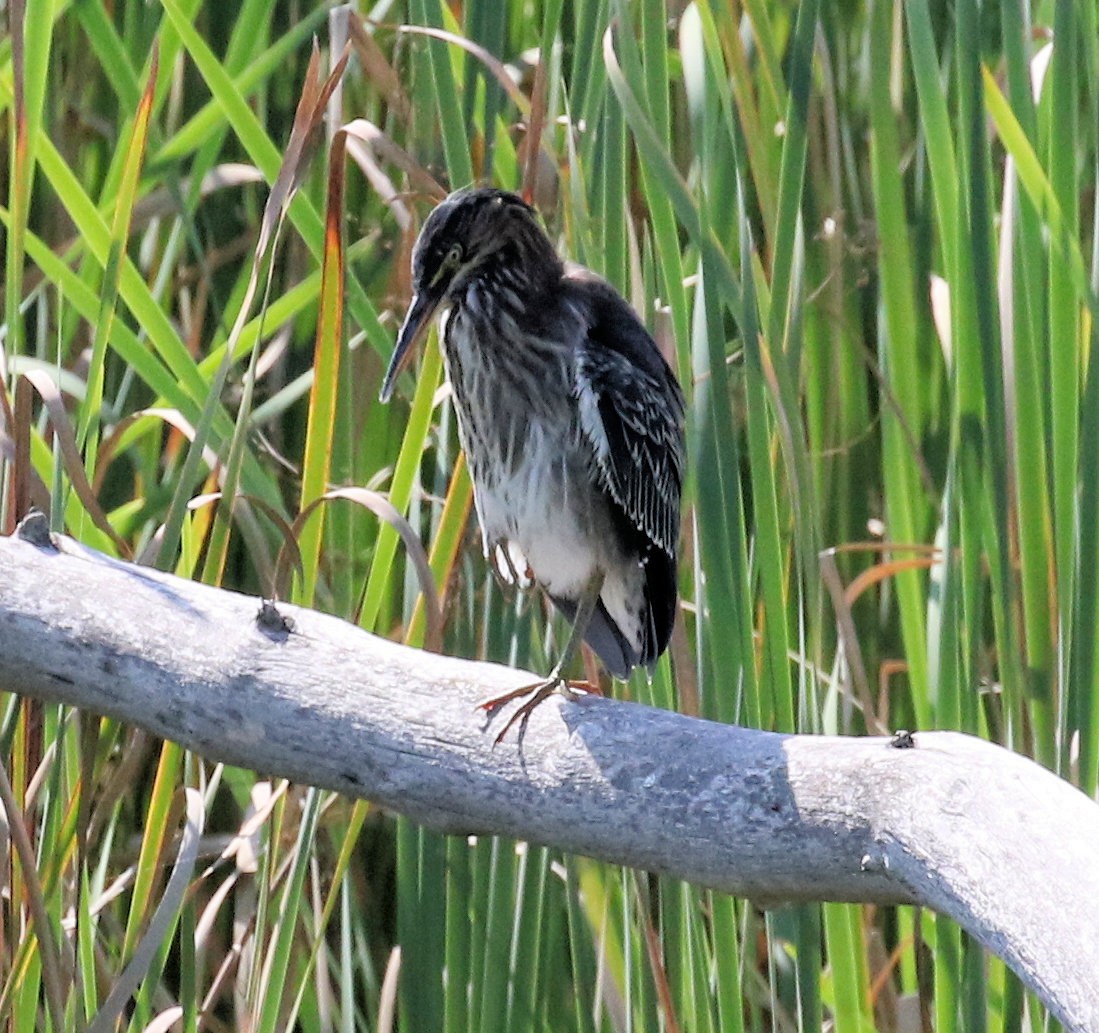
(951, 822)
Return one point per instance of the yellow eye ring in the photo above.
(451, 261)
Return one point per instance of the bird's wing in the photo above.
(631, 410)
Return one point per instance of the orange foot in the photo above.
(538, 692)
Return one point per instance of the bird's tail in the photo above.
(661, 597)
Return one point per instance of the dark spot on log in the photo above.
(352, 778)
(63, 678)
(276, 626)
(903, 739)
(34, 528)
(107, 665)
(241, 683)
(776, 807)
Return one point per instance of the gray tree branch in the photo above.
(954, 823)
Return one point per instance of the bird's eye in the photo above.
(448, 265)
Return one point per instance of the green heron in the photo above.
(572, 425)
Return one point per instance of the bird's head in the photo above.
(460, 236)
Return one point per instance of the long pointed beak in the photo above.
(416, 321)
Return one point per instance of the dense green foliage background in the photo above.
(865, 235)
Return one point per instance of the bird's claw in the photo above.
(502, 563)
(538, 693)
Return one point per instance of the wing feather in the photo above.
(631, 411)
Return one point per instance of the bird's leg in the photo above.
(556, 682)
